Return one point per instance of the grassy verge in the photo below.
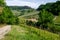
(24, 32)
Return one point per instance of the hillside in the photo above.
(33, 14)
(23, 32)
(19, 7)
(51, 7)
(24, 27)
(24, 11)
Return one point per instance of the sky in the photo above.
(32, 3)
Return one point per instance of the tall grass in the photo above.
(24, 32)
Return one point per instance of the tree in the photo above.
(8, 17)
(45, 18)
(54, 8)
(2, 3)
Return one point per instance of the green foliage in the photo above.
(7, 16)
(46, 21)
(57, 23)
(31, 23)
(51, 7)
(54, 28)
(45, 18)
(22, 20)
(2, 3)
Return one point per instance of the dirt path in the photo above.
(4, 30)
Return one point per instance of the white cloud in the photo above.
(21, 3)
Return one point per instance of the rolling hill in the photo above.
(19, 7)
(24, 11)
(24, 32)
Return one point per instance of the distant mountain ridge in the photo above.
(19, 7)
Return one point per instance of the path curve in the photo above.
(4, 30)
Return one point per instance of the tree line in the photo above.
(6, 16)
(54, 7)
(46, 15)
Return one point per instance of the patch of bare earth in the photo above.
(4, 30)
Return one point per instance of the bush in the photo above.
(7, 16)
(22, 20)
(31, 23)
(2, 3)
(38, 24)
(51, 7)
(45, 18)
(55, 29)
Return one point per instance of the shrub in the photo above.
(22, 20)
(2, 3)
(45, 18)
(55, 29)
(7, 16)
(31, 23)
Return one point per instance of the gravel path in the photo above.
(4, 30)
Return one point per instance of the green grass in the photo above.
(29, 14)
(33, 14)
(24, 32)
(57, 20)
